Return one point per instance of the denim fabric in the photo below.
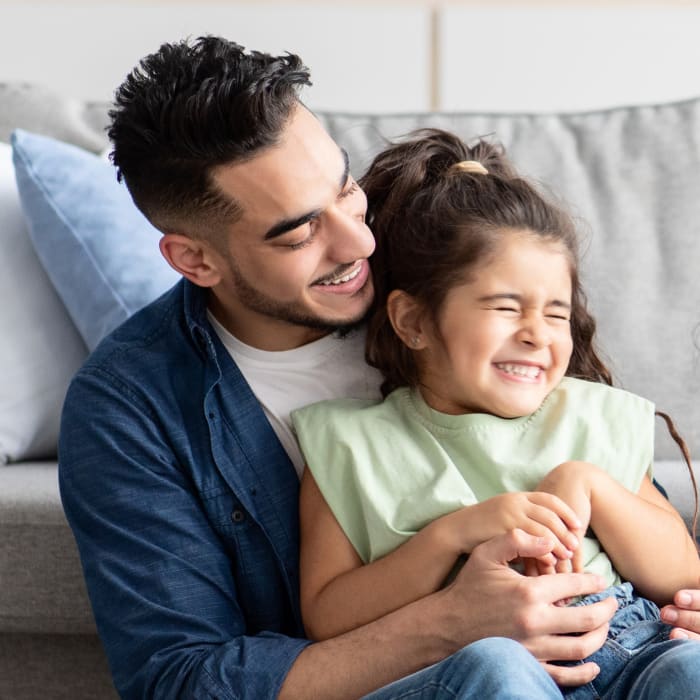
(513, 674)
(638, 660)
(184, 507)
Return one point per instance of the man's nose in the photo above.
(348, 237)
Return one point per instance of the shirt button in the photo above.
(238, 516)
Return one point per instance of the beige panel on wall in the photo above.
(542, 56)
(363, 57)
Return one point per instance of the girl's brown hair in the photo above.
(434, 222)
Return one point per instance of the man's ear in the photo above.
(407, 317)
(192, 258)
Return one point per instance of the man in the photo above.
(177, 462)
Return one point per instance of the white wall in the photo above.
(533, 55)
(568, 56)
(86, 48)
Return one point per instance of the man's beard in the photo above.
(258, 301)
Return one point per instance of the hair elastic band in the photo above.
(470, 166)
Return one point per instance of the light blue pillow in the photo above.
(98, 250)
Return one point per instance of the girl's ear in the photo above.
(193, 259)
(407, 317)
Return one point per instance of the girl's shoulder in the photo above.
(588, 395)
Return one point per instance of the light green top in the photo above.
(387, 469)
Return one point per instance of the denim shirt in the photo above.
(184, 507)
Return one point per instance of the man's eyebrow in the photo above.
(518, 297)
(281, 227)
(346, 168)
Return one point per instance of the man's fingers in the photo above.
(566, 647)
(569, 676)
(581, 619)
(684, 615)
(685, 621)
(679, 633)
(556, 587)
(688, 600)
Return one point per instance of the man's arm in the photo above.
(170, 607)
(488, 598)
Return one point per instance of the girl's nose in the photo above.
(534, 332)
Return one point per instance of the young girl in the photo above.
(498, 414)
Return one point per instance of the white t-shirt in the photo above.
(329, 368)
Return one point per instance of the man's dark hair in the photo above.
(189, 108)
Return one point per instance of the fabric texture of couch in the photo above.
(630, 174)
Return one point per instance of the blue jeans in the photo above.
(638, 660)
(490, 669)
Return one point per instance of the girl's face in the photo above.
(503, 339)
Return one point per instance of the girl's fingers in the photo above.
(563, 510)
(556, 524)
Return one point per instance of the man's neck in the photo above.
(261, 332)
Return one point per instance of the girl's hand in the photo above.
(543, 515)
(572, 483)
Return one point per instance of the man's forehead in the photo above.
(286, 180)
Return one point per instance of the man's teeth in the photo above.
(346, 278)
(530, 371)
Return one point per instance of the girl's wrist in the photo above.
(450, 532)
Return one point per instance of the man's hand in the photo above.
(684, 614)
(524, 608)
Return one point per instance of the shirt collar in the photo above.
(195, 306)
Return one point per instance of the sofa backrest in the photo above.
(630, 175)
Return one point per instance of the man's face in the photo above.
(294, 266)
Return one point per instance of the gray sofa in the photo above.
(631, 174)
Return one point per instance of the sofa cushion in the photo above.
(41, 348)
(98, 249)
(42, 584)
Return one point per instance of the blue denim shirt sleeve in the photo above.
(172, 607)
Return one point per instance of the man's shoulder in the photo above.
(142, 347)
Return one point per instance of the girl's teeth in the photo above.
(520, 370)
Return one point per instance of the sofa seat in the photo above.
(46, 625)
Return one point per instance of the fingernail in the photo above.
(596, 669)
(679, 634)
(669, 615)
(684, 598)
